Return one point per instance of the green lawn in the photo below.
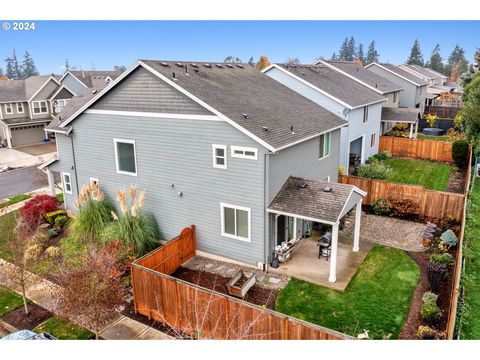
(7, 226)
(14, 199)
(64, 330)
(434, 138)
(432, 175)
(470, 326)
(377, 299)
(9, 301)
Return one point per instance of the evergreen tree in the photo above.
(343, 53)
(121, 68)
(352, 49)
(232, 59)
(416, 57)
(251, 62)
(473, 71)
(28, 66)
(457, 57)
(361, 54)
(372, 54)
(334, 57)
(436, 60)
(67, 65)
(13, 70)
(1, 72)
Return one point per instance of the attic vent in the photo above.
(179, 64)
(240, 66)
(94, 91)
(291, 130)
(163, 63)
(230, 66)
(207, 65)
(174, 77)
(194, 65)
(219, 66)
(303, 185)
(265, 128)
(327, 189)
(376, 86)
(245, 116)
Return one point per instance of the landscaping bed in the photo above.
(256, 295)
(36, 315)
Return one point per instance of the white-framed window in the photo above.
(365, 114)
(20, 108)
(8, 109)
(39, 107)
(236, 222)
(93, 180)
(60, 105)
(324, 150)
(244, 152)
(125, 156)
(372, 140)
(67, 183)
(219, 153)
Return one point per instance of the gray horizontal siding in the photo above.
(145, 92)
(73, 84)
(302, 161)
(176, 152)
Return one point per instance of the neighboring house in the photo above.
(27, 106)
(358, 104)
(82, 82)
(212, 145)
(391, 113)
(415, 88)
(427, 74)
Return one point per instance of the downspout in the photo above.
(266, 242)
(68, 134)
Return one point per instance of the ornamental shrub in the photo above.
(436, 273)
(449, 238)
(383, 155)
(52, 215)
(61, 220)
(381, 207)
(404, 208)
(427, 333)
(34, 210)
(429, 297)
(374, 170)
(443, 258)
(460, 153)
(430, 311)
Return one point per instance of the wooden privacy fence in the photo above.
(204, 313)
(415, 148)
(444, 112)
(434, 204)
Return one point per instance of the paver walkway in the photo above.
(40, 291)
(401, 234)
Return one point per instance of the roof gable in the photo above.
(399, 72)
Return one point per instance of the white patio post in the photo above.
(356, 234)
(333, 255)
(51, 182)
(410, 136)
(416, 129)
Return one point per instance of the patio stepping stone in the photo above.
(260, 278)
(273, 280)
(208, 266)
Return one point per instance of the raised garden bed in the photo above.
(239, 284)
(256, 295)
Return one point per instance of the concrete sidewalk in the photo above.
(40, 292)
(16, 206)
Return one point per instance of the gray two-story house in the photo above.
(83, 82)
(212, 145)
(27, 106)
(359, 105)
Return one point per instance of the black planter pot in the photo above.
(432, 131)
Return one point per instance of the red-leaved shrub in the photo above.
(34, 210)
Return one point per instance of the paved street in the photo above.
(20, 181)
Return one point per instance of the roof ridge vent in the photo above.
(179, 64)
(207, 66)
(219, 66)
(303, 185)
(240, 66)
(194, 65)
(327, 189)
(230, 66)
(163, 63)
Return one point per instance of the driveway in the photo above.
(21, 181)
(27, 155)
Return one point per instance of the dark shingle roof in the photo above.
(95, 79)
(336, 84)
(308, 199)
(252, 100)
(71, 108)
(21, 90)
(366, 76)
(403, 73)
(429, 74)
(400, 114)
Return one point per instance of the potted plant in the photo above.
(427, 239)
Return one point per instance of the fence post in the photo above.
(285, 329)
(194, 240)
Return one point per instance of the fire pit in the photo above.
(432, 131)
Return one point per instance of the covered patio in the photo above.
(309, 202)
(391, 116)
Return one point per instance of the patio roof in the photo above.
(311, 200)
(408, 115)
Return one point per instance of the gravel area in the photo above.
(264, 280)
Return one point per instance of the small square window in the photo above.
(125, 157)
(67, 183)
(219, 156)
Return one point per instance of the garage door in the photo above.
(27, 135)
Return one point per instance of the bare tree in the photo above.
(293, 61)
(94, 290)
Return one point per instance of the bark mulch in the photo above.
(414, 319)
(36, 315)
(457, 182)
(256, 295)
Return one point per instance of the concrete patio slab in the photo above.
(38, 149)
(153, 334)
(124, 329)
(26, 156)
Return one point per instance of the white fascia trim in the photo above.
(300, 217)
(368, 104)
(311, 137)
(125, 141)
(394, 73)
(359, 191)
(44, 84)
(154, 115)
(345, 205)
(308, 84)
(68, 72)
(222, 219)
(47, 163)
(208, 107)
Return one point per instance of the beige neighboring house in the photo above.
(27, 106)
